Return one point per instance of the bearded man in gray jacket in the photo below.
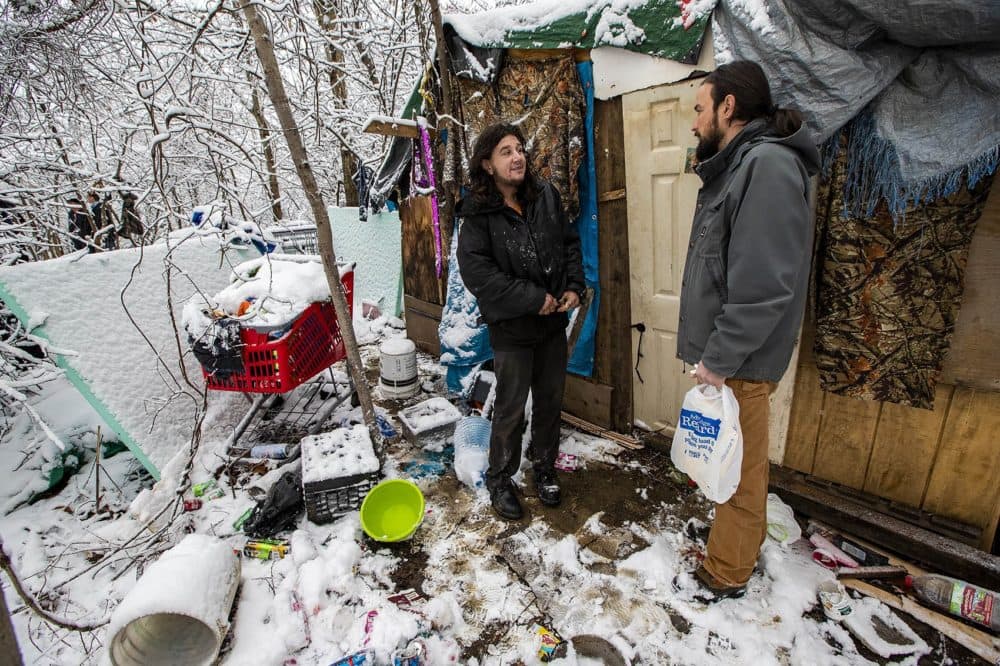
(744, 286)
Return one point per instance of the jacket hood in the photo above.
(801, 141)
(756, 132)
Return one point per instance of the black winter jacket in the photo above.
(510, 262)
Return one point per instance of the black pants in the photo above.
(542, 369)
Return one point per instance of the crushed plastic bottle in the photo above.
(959, 598)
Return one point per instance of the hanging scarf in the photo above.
(422, 182)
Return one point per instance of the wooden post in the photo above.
(290, 130)
(9, 652)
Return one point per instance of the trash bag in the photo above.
(280, 509)
(708, 444)
(220, 349)
(781, 525)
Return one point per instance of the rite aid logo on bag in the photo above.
(700, 424)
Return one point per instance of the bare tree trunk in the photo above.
(9, 652)
(265, 143)
(326, 13)
(279, 98)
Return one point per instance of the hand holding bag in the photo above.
(708, 444)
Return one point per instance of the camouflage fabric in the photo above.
(888, 293)
(545, 99)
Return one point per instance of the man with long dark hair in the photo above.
(520, 258)
(744, 285)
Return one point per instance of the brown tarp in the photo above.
(888, 292)
(545, 99)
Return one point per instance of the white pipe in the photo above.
(178, 612)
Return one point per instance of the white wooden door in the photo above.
(661, 201)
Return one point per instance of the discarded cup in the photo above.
(835, 600)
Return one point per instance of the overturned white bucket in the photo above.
(178, 612)
(398, 368)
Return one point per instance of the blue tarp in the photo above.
(465, 343)
(582, 361)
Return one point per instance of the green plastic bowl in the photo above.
(392, 510)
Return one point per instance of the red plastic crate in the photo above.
(312, 344)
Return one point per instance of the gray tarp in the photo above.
(921, 79)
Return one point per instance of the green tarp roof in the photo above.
(653, 27)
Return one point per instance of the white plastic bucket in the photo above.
(398, 368)
(178, 612)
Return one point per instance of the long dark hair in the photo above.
(746, 82)
(481, 182)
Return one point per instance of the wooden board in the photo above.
(973, 360)
(807, 408)
(422, 320)
(845, 439)
(419, 279)
(588, 400)
(613, 346)
(905, 448)
(965, 482)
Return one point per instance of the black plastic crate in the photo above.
(328, 500)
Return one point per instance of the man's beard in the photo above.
(708, 145)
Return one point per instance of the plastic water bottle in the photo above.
(976, 604)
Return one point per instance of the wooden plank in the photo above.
(904, 450)
(422, 320)
(964, 482)
(972, 359)
(627, 441)
(417, 238)
(846, 433)
(579, 55)
(394, 127)
(613, 195)
(588, 400)
(613, 354)
(807, 408)
(972, 639)
(858, 519)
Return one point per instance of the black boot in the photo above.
(547, 486)
(505, 502)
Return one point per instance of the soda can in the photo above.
(214, 493)
(238, 523)
(272, 451)
(199, 489)
(192, 504)
(356, 659)
(412, 655)
(266, 549)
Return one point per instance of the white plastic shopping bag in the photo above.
(708, 444)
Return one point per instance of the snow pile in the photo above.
(338, 454)
(270, 291)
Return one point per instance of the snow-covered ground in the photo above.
(603, 564)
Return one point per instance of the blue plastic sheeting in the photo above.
(582, 360)
(465, 343)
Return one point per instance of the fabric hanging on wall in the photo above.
(545, 100)
(889, 290)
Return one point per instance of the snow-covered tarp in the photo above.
(663, 28)
(107, 316)
(922, 78)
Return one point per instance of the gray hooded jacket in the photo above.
(745, 280)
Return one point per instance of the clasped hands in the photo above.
(569, 300)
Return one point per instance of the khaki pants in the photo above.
(741, 523)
